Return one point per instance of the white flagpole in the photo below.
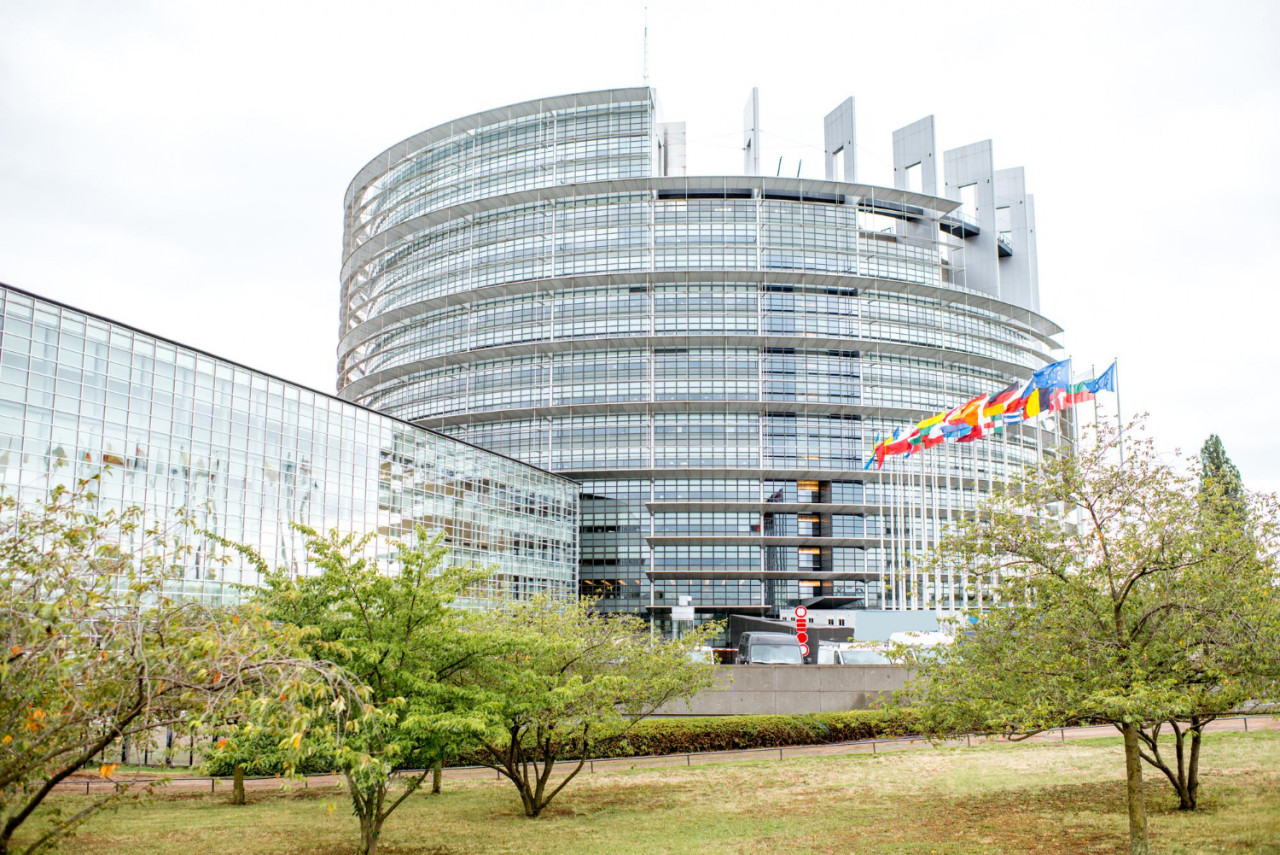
(892, 498)
(924, 530)
(936, 534)
(973, 469)
(904, 571)
(881, 564)
(950, 499)
(915, 563)
(1093, 371)
(1119, 416)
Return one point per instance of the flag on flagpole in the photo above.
(1050, 389)
(1106, 382)
(1054, 376)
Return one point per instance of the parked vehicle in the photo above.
(921, 639)
(702, 654)
(848, 654)
(830, 655)
(768, 648)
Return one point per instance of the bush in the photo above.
(727, 733)
(655, 736)
(262, 756)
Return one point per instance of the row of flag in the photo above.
(1049, 389)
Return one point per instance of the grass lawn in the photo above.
(1062, 798)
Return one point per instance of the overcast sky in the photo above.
(181, 166)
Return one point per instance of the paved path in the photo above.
(86, 783)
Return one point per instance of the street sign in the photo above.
(804, 649)
(682, 612)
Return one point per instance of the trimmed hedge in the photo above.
(726, 733)
(261, 756)
(658, 736)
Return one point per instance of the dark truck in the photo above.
(768, 648)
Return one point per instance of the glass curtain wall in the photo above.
(713, 358)
(169, 429)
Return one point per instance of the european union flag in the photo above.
(1105, 383)
(1055, 376)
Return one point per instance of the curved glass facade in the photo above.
(713, 358)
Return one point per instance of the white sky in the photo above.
(181, 166)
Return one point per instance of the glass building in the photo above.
(711, 357)
(168, 428)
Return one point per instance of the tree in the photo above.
(1137, 606)
(398, 633)
(95, 651)
(1217, 469)
(564, 677)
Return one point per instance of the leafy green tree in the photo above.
(1133, 607)
(94, 650)
(566, 678)
(1220, 479)
(398, 633)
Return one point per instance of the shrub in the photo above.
(261, 756)
(727, 733)
(655, 736)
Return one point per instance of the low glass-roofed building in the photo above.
(168, 428)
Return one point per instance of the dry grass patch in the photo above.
(1030, 798)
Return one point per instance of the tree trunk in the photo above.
(237, 785)
(437, 776)
(1139, 843)
(526, 799)
(370, 830)
(1193, 766)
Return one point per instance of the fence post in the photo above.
(688, 759)
(86, 786)
(968, 741)
(873, 747)
(779, 753)
(1062, 731)
(212, 781)
(1246, 723)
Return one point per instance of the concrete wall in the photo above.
(769, 689)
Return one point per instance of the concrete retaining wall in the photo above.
(791, 689)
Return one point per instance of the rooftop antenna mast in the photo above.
(646, 46)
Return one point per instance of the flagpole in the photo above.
(1093, 370)
(915, 563)
(951, 500)
(935, 536)
(881, 564)
(904, 570)
(892, 497)
(973, 469)
(904, 537)
(1119, 417)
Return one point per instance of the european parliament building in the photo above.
(712, 357)
(173, 431)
